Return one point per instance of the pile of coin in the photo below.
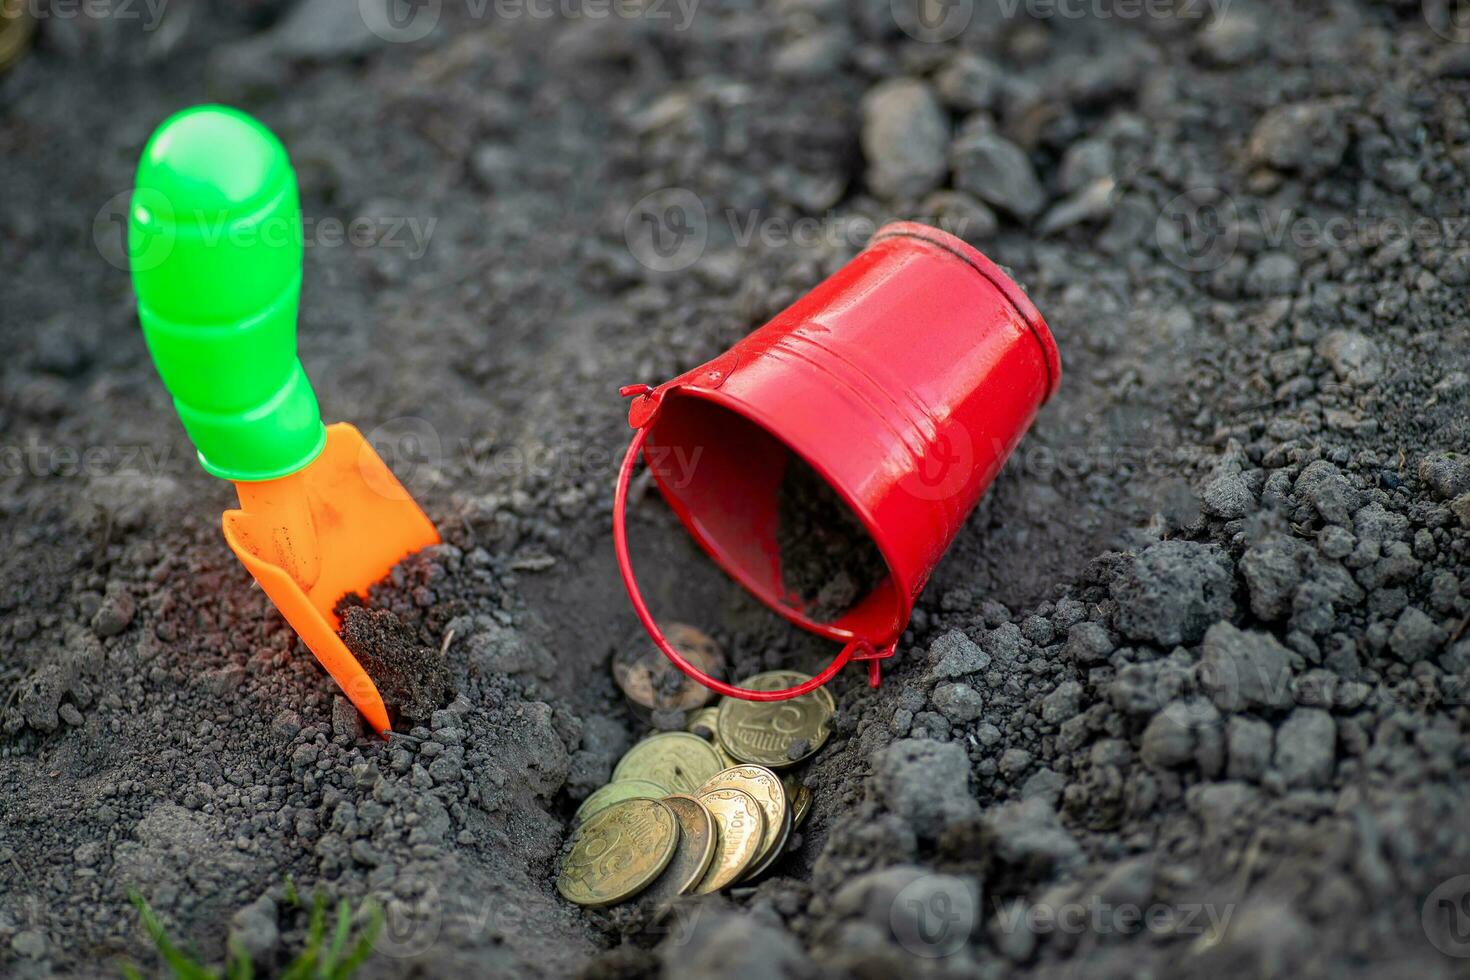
(689, 813)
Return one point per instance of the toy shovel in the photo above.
(215, 239)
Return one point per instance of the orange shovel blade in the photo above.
(335, 527)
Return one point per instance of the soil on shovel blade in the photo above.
(413, 678)
(827, 557)
(1184, 698)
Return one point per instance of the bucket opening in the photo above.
(722, 474)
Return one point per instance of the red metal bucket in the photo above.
(904, 380)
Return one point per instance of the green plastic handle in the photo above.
(215, 243)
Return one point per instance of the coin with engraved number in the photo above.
(775, 733)
(765, 786)
(739, 827)
(618, 852)
(695, 852)
(651, 681)
(777, 847)
(628, 789)
(677, 760)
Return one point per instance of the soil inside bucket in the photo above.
(828, 559)
(413, 678)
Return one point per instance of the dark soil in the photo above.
(413, 678)
(828, 560)
(1201, 653)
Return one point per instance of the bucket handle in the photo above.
(855, 649)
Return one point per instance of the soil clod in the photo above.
(413, 678)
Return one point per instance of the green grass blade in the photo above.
(339, 960)
(238, 966)
(364, 946)
(303, 967)
(339, 940)
(184, 966)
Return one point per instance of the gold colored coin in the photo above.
(707, 720)
(651, 681)
(17, 26)
(778, 847)
(627, 789)
(739, 828)
(798, 795)
(765, 787)
(702, 723)
(763, 732)
(677, 760)
(695, 852)
(618, 852)
(801, 805)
